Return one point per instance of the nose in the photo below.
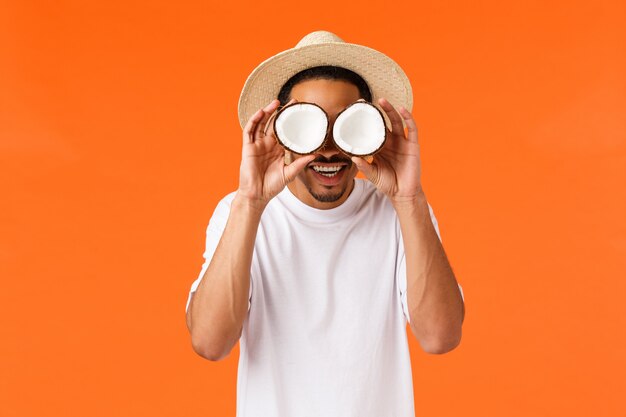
(329, 144)
(329, 148)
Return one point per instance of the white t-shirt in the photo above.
(326, 333)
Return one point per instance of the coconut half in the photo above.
(301, 127)
(359, 129)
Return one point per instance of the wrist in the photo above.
(410, 203)
(253, 205)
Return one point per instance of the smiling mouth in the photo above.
(328, 171)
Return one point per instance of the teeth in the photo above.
(326, 169)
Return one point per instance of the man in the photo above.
(317, 276)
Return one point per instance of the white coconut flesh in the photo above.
(301, 127)
(359, 129)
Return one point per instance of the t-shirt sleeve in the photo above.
(401, 267)
(214, 231)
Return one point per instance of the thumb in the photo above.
(365, 167)
(294, 168)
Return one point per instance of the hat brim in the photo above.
(383, 75)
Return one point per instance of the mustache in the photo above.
(335, 159)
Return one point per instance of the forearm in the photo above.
(435, 305)
(220, 303)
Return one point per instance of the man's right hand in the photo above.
(263, 173)
(219, 306)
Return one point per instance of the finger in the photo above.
(269, 126)
(394, 117)
(248, 129)
(296, 166)
(365, 167)
(259, 131)
(410, 124)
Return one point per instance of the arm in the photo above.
(436, 308)
(220, 304)
(435, 304)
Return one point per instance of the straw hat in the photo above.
(384, 77)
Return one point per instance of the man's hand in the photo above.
(263, 173)
(395, 170)
(436, 308)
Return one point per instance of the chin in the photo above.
(327, 197)
(327, 194)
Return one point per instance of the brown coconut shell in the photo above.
(384, 124)
(283, 144)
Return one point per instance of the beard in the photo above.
(326, 198)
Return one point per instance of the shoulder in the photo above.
(369, 190)
(222, 209)
(372, 197)
(226, 202)
(377, 204)
(371, 194)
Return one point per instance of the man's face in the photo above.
(311, 187)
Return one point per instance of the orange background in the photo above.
(119, 134)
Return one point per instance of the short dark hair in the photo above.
(325, 72)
